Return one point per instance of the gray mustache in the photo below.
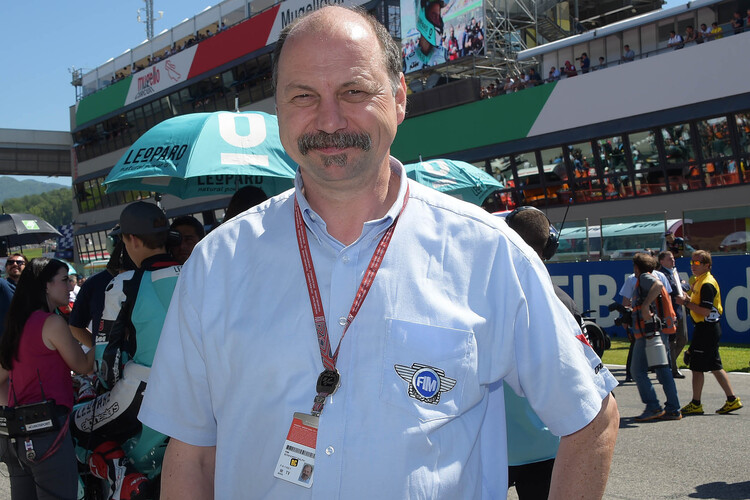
(334, 140)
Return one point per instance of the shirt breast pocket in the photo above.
(429, 371)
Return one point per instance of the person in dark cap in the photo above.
(103, 424)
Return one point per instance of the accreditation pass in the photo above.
(297, 460)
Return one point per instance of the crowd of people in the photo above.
(220, 342)
(657, 302)
(529, 78)
(175, 48)
(105, 329)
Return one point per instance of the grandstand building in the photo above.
(662, 136)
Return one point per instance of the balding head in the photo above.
(331, 19)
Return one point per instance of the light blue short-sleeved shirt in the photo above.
(628, 287)
(457, 291)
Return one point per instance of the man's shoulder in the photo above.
(648, 279)
(281, 205)
(431, 201)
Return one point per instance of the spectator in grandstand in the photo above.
(716, 30)
(602, 63)
(533, 78)
(191, 232)
(690, 34)
(675, 41)
(510, 85)
(585, 63)
(578, 26)
(628, 54)
(554, 74)
(477, 45)
(703, 301)
(465, 41)
(14, 266)
(704, 34)
(738, 23)
(569, 70)
(453, 50)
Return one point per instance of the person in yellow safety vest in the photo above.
(703, 301)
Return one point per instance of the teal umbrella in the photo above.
(456, 178)
(203, 154)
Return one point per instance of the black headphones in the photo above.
(550, 247)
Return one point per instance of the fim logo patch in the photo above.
(425, 382)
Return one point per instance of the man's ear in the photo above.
(401, 100)
(133, 241)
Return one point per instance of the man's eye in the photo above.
(356, 94)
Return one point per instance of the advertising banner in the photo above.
(595, 285)
(434, 32)
(161, 76)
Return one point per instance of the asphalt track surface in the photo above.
(702, 456)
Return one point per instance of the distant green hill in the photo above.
(12, 188)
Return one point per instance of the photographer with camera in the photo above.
(647, 327)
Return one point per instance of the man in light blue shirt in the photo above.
(412, 306)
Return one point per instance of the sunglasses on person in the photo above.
(696, 263)
(16, 262)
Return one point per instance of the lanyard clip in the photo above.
(328, 382)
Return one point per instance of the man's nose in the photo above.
(330, 116)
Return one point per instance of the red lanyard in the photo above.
(328, 380)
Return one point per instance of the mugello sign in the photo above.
(250, 35)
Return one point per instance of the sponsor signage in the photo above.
(292, 9)
(161, 76)
(595, 285)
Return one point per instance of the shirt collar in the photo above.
(373, 228)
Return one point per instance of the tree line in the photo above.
(56, 207)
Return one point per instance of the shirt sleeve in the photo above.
(80, 316)
(177, 399)
(553, 366)
(628, 287)
(708, 293)
(6, 296)
(645, 282)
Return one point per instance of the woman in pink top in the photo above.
(37, 352)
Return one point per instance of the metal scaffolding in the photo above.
(514, 25)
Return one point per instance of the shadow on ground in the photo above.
(723, 491)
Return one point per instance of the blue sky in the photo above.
(42, 42)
